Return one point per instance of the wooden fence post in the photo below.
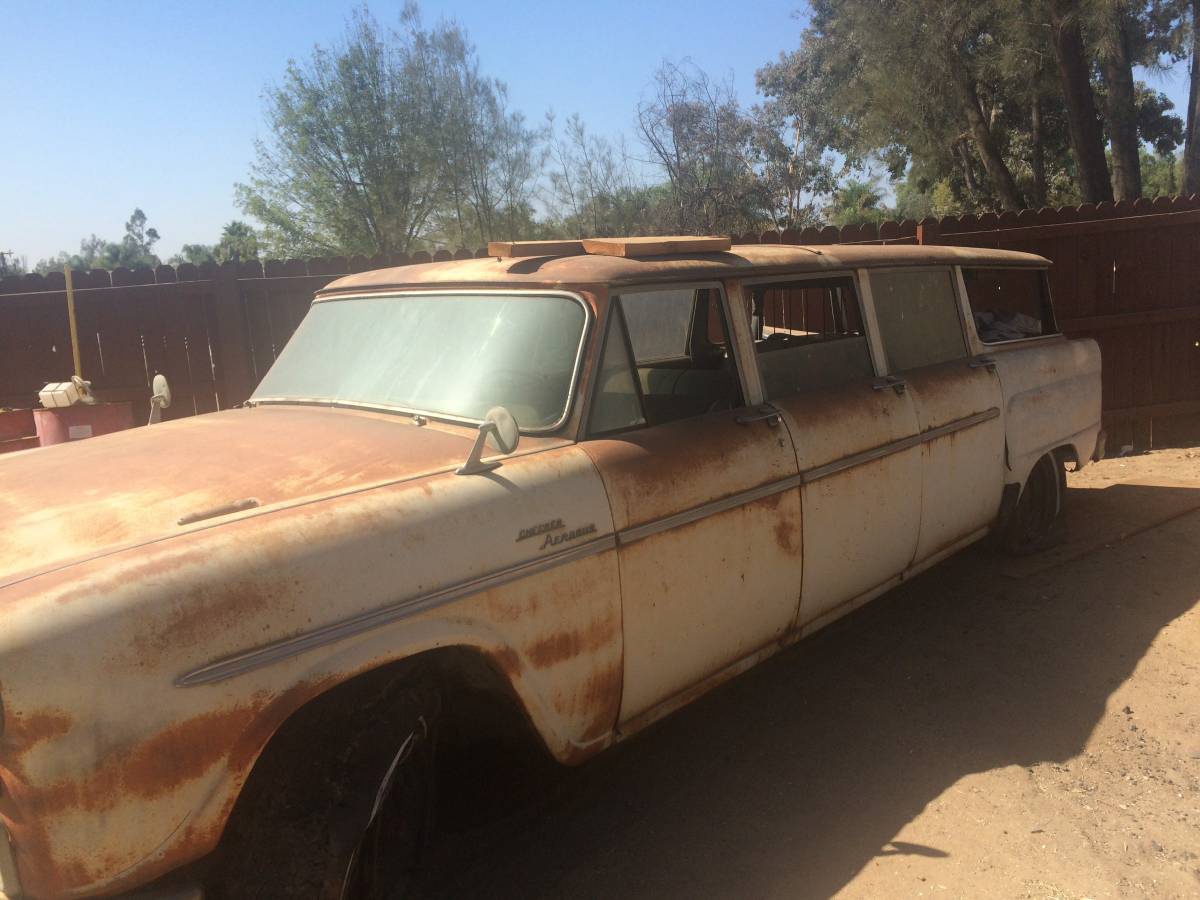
(231, 350)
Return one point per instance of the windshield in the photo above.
(449, 355)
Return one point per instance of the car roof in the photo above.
(741, 260)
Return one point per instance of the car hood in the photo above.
(75, 501)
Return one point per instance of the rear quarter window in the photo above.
(919, 322)
(1009, 304)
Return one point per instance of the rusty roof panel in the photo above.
(742, 260)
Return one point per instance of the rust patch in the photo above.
(786, 534)
(200, 615)
(179, 753)
(24, 731)
(600, 698)
(557, 648)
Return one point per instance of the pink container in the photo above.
(74, 423)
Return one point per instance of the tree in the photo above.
(11, 264)
(1191, 150)
(903, 81)
(238, 243)
(387, 141)
(136, 248)
(349, 167)
(487, 156)
(1087, 134)
(701, 140)
(856, 202)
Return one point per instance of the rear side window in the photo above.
(918, 318)
(1009, 304)
(808, 335)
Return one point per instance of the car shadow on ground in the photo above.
(806, 768)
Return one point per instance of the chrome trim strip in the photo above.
(639, 532)
(280, 650)
(866, 456)
(384, 615)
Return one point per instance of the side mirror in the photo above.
(501, 427)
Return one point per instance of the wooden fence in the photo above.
(1127, 274)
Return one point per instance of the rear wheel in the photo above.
(1037, 520)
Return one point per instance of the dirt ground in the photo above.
(994, 728)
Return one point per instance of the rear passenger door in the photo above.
(855, 437)
(701, 490)
(958, 402)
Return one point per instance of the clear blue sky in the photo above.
(124, 103)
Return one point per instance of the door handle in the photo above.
(891, 381)
(983, 362)
(766, 413)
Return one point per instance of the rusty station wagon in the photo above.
(582, 481)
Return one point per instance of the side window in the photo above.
(660, 329)
(918, 318)
(1009, 304)
(616, 405)
(809, 335)
(680, 342)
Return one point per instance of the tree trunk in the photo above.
(1121, 110)
(1038, 161)
(964, 154)
(1087, 138)
(1191, 145)
(1001, 178)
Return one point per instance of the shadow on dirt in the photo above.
(805, 769)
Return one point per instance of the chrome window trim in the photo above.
(584, 333)
(612, 310)
(258, 657)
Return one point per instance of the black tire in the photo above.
(340, 807)
(1036, 523)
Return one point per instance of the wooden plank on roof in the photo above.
(634, 247)
(535, 248)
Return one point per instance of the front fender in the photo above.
(118, 767)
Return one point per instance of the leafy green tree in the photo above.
(196, 254)
(136, 248)
(1161, 174)
(387, 141)
(901, 80)
(11, 264)
(1006, 103)
(857, 202)
(238, 243)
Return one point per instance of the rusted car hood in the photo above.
(76, 501)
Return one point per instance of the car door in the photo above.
(708, 525)
(958, 403)
(855, 436)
